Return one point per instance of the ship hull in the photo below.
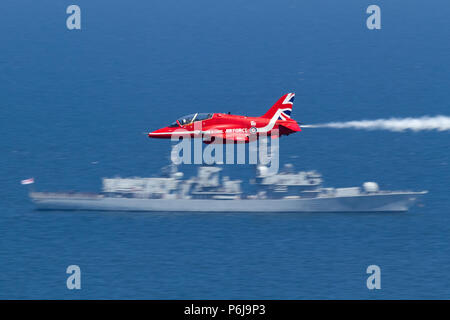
(400, 201)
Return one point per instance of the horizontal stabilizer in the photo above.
(291, 125)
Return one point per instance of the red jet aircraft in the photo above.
(235, 128)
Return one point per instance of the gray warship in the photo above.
(211, 191)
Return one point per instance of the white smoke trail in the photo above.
(439, 123)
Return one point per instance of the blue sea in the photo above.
(74, 105)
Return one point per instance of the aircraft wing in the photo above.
(229, 137)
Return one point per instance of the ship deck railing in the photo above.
(62, 195)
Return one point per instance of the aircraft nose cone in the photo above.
(160, 133)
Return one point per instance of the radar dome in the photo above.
(371, 186)
(262, 171)
(178, 175)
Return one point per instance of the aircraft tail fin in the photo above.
(283, 107)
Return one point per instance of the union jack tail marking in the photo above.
(283, 107)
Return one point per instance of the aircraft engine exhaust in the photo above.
(438, 123)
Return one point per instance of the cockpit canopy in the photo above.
(191, 118)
